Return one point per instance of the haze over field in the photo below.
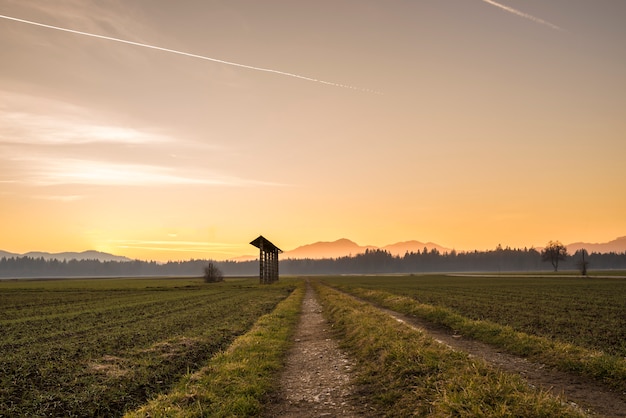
(165, 130)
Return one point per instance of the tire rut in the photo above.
(586, 394)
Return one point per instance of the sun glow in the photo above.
(498, 125)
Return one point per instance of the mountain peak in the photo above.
(344, 241)
(344, 247)
(328, 249)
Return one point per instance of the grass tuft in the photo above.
(407, 373)
(567, 357)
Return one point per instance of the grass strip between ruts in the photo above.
(404, 372)
(566, 357)
(235, 381)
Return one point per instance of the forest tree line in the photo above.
(370, 262)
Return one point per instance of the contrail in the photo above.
(187, 54)
(524, 15)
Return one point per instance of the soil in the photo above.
(318, 379)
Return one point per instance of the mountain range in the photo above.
(85, 255)
(618, 245)
(344, 248)
(326, 249)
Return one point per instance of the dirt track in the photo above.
(317, 379)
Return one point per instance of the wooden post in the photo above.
(261, 263)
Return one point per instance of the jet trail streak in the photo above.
(187, 54)
(524, 15)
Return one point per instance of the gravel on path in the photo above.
(317, 380)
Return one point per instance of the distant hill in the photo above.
(85, 255)
(345, 247)
(324, 249)
(618, 245)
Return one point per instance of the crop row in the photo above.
(238, 381)
(119, 315)
(587, 312)
(121, 344)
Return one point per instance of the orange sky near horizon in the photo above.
(461, 123)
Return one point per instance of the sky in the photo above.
(165, 130)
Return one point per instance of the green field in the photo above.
(100, 347)
(575, 324)
(587, 312)
(105, 347)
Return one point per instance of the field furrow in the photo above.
(586, 312)
(118, 342)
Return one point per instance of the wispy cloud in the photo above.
(178, 246)
(46, 171)
(41, 121)
(524, 15)
(44, 142)
(112, 16)
(36, 129)
(187, 54)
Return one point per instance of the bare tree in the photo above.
(554, 252)
(582, 263)
(212, 274)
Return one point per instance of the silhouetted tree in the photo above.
(212, 274)
(375, 262)
(554, 252)
(582, 263)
